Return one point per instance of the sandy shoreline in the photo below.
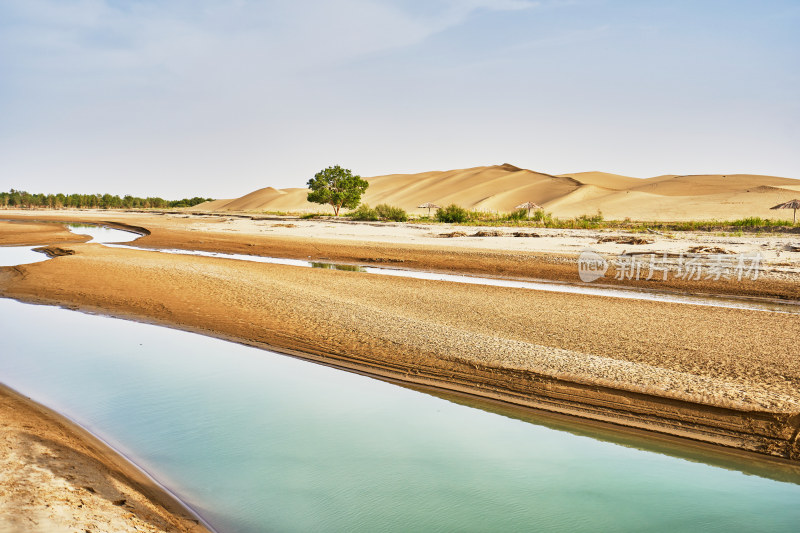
(490, 345)
(720, 376)
(56, 476)
(552, 256)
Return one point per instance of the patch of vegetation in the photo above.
(336, 266)
(15, 198)
(338, 187)
(592, 218)
(519, 214)
(540, 216)
(390, 212)
(380, 212)
(453, 214)
(759, 222)
(488, 216)
(363, 212)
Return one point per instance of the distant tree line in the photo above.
(15, 198)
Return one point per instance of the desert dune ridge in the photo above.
(500, 188)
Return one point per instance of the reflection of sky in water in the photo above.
(102, 234)
(259, 442)
(19, 255)
(23, 255)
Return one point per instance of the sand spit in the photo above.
(33, 234)
(553, 255)
(54, 476)
(724, 376)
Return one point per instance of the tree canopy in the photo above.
(338, 187)
(15, 198)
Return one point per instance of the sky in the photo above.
(217, 98)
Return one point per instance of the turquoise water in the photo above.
(256, 441)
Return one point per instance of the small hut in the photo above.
(529, 206)
(428, 206)
(791, 204)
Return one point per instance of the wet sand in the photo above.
(12, 235)
(602, 355)
(54, 476)
(551, 256)
(728, 377)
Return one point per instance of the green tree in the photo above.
(338, 187)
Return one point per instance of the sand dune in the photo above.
(604, 180)
(500, 188)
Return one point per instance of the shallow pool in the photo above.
(24, 255)
(257, 441)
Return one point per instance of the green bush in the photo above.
(389, 212)
(364, 212)
(758, 221)
(487, 216)
(519, 214)
(591, 218)
(453, 214)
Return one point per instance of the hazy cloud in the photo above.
(156, 93)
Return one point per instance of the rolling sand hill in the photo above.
(502, 187)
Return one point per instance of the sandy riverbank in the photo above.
(725, 376)
(12, 235)
(54, 476)
(552, 255)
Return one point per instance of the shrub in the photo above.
(758, 221)
(593, 218)
(540, 216)
(364, 212)
(519, 214)
(453, 214)
(487, 216)
(389, 212)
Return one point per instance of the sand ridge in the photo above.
(735, 366)
(726, 376)
(36, 233)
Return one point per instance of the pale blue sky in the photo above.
(218, 98)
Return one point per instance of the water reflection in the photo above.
(338, 266)
(103, 234)
(20, 255)
(747, 463)
(258, 441)
(25, 255)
